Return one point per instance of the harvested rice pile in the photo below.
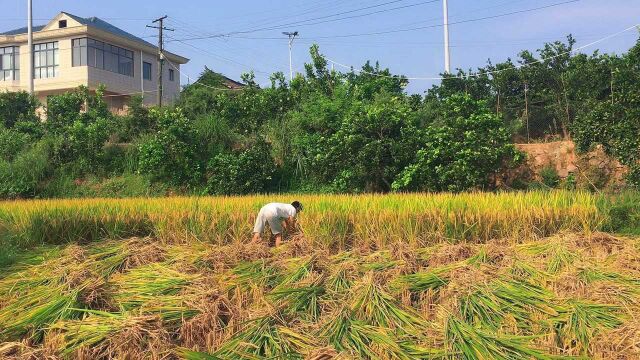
(569, 295)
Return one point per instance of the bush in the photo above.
(63, 110)
(17, 107)
(21, 177)
(549, 177)
(461, 153)
(169, 153)
(12, 142)
(241, 172)
(137, 122)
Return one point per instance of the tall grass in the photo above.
(336, 221)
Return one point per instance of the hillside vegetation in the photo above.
(328, 131)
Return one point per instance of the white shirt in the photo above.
(280, 210)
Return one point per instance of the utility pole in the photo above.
(447, 56)
(291, 35)
(160, 28)
(30, 43)
(526, 108)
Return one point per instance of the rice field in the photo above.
(472, 276)
(337, 221)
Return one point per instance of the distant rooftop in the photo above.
(22, 30)
(91, 21)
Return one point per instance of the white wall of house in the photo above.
(118, 86)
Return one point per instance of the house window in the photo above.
(45, 60)
(94, 53)
(9, 63)
(62, 24)
(171, 75)
(146, 70)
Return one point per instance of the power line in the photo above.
(302, 22)
(451, 23)
(197, 82)
(253, 51)
(473, 10)
(101, 18)
(220, 57)
(313, 7)
(479, 43)
(369, 13)
(297, 23)
(402, 30)
(515, 67)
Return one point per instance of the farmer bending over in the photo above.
(279, 216)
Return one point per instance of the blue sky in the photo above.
(415, 53)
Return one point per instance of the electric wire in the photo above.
(231, 34)
(451, 23)
(515, 67)
(197, 81)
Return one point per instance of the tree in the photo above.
(17, 107)
(169, 154)
(614, 121)
(462, 153)
(243, 171)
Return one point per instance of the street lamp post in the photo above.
(291, 35)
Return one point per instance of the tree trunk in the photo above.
(565, 130)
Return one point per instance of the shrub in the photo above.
(137, 121)
(549, 176)
(241, 172)
(169, 153)
(12, 142)
(462, 152)
(17, 107)
(20, 178)
(63, 110)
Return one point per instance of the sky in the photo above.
(405, 36)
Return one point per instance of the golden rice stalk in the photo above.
(111, 335)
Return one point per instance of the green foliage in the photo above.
(550, 177)
(21, 176)
(326, 131)
(460, 153)
(17, 107)
(613, 121)
(169, 154)
(137, 121)
(241, 172)
(12, 142)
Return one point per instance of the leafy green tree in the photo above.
(372, 145)
(169, 154)
(250, 170)
(461, 153)
(17, 107)
(21, 176)
(613, 121)
(137, 122)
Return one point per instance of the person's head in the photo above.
(298, 205)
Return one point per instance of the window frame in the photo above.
(172, 75)
(144, 70)
(101, 55)
(12, 71)
(46, 58)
